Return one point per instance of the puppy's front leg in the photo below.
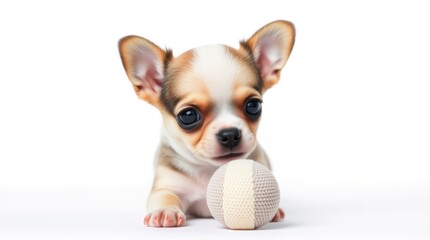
(165, 210)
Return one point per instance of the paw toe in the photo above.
(165, 218)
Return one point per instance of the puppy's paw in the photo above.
(165, 218)
(279, 216)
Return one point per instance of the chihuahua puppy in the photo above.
(210, 99)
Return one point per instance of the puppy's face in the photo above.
(213, 98)
(210, 97)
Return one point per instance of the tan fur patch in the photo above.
(251, 76)
(177, 73)
(170, 200)
(241, 94)
(196, 98)
(248, 85)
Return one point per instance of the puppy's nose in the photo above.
(229, 137)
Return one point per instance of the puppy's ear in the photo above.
(270, 47)
(144, 63)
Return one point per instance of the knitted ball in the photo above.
(243, 194)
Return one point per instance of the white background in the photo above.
(347, 127)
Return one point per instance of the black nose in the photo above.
(229, 137)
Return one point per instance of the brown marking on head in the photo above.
(241, 95)
(176, 70)
(248, 85)
(197, 97)
(184, 89)
(247, 61)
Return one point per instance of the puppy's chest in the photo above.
(198, 185)
(196, 195)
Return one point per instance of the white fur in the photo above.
(218, 70)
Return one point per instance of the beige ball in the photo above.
(243, 194)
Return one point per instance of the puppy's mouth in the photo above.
(230, 156)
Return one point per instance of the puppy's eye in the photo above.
(189, 118)
(253, 108)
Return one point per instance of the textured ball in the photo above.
(243, 194)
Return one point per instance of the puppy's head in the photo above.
(210, 97)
